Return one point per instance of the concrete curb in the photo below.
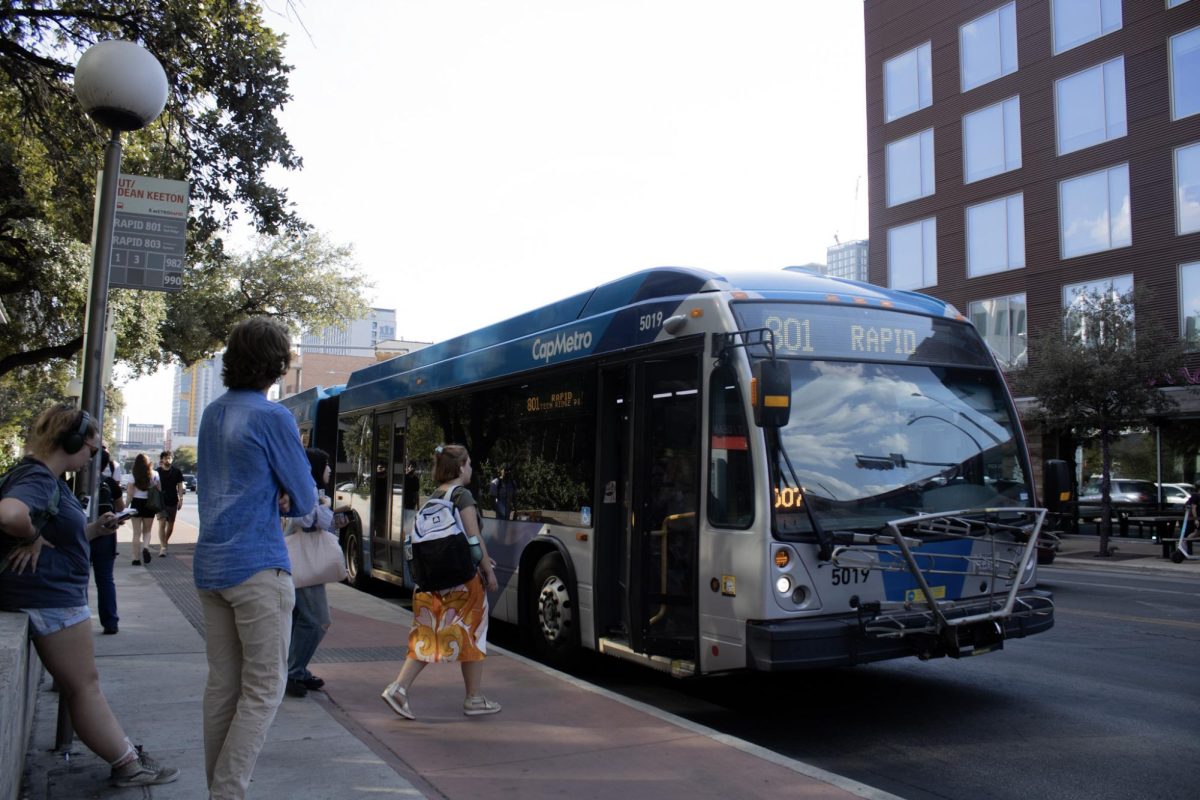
(20, 675)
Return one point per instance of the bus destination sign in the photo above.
(149, 234)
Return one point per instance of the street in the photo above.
(1105, 705)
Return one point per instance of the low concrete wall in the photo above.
(20, 674)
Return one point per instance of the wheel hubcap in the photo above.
(352, 557)
(554, 609)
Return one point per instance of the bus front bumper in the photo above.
(844, 640)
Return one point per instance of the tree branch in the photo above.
(31, 357)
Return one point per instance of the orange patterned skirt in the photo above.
(450, 625)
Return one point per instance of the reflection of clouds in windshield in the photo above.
(841, 411)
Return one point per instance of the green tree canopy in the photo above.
(1100, 374)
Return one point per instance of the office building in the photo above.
(848, 260)
(1021, 152)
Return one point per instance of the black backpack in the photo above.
(441, 553)
(39, 517)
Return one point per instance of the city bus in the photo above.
(762, 471)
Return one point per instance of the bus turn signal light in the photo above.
(782, 558)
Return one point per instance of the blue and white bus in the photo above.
(762, 471)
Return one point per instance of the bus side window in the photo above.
(730, 477)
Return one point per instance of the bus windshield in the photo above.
(869, 442)
(893, 415)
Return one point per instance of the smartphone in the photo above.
(127, 512)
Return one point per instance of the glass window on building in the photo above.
(1073, 294)
(1078, 21)
(912, 255)
(1189, 304)
(996, 236)
(907, 83)
(987, 47)
(1094, 212)
(1187, 189)
(1185, 74)
(910, 168)
(992, 140)
(1001, 322)
(1173, 3)
(1089, 106)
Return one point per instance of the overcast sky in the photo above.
(484, 157)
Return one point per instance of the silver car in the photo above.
(1122, 492)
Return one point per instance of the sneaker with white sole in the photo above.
(479, 705)
(142, 771)
(395, 696)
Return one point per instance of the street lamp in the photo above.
(123, 88)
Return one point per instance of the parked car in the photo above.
(189, 481)
(1177, 493)
(1122, 492)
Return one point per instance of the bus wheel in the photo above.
(554, 627)
(355, 575)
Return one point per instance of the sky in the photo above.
(486, 157)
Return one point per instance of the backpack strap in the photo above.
(40, 517)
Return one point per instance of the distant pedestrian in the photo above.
(44, 552)
(451, 625)
(104, 547)
(170, 479)
(137, 489)
(504, 489)
(254, 470)
(310, 617)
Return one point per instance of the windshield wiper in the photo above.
(824, 540)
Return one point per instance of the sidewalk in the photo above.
(1132, 553)
(556, 737)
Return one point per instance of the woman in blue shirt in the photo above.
(46, 549)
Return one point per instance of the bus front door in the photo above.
(663, 540)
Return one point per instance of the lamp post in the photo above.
(123, 88)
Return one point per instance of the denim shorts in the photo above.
(45, 621)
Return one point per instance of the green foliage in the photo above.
(184, 457)
(1100, 374)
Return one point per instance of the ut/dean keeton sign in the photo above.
(149, 234)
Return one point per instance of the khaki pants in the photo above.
(247, 629)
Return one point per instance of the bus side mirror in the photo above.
(771, 393)
(1058, 485)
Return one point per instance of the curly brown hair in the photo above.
(258, 353)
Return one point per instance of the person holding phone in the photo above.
(45, 548)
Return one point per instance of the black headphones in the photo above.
(72, 441)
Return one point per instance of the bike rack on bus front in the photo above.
(906, 535)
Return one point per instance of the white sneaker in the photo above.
(142, 771)
(395, 696)
(479, 705)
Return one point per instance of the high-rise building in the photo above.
(1019, 152)
(357, 338)
(195, 387)
(848, 260)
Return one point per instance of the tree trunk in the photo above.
(1105, 491)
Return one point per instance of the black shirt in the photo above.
(169, 479)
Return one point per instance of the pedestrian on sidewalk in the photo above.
(46, 548)
(137, 489)
(310, 617)
(451, 624)
(254, 470)
(104, 547)
(170, 479)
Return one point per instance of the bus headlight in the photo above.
(783, 584)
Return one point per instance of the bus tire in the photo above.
(356, 575)
(554, 619)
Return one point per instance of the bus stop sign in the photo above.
(149, 234)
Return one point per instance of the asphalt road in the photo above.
(1105, 705)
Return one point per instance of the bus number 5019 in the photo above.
(844, 576)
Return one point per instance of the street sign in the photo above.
(149, 234)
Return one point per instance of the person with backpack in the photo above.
(44, 552)
(449, 605)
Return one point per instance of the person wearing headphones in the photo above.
(44, 559)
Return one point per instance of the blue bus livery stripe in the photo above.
(603, 320)
(897, 584)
